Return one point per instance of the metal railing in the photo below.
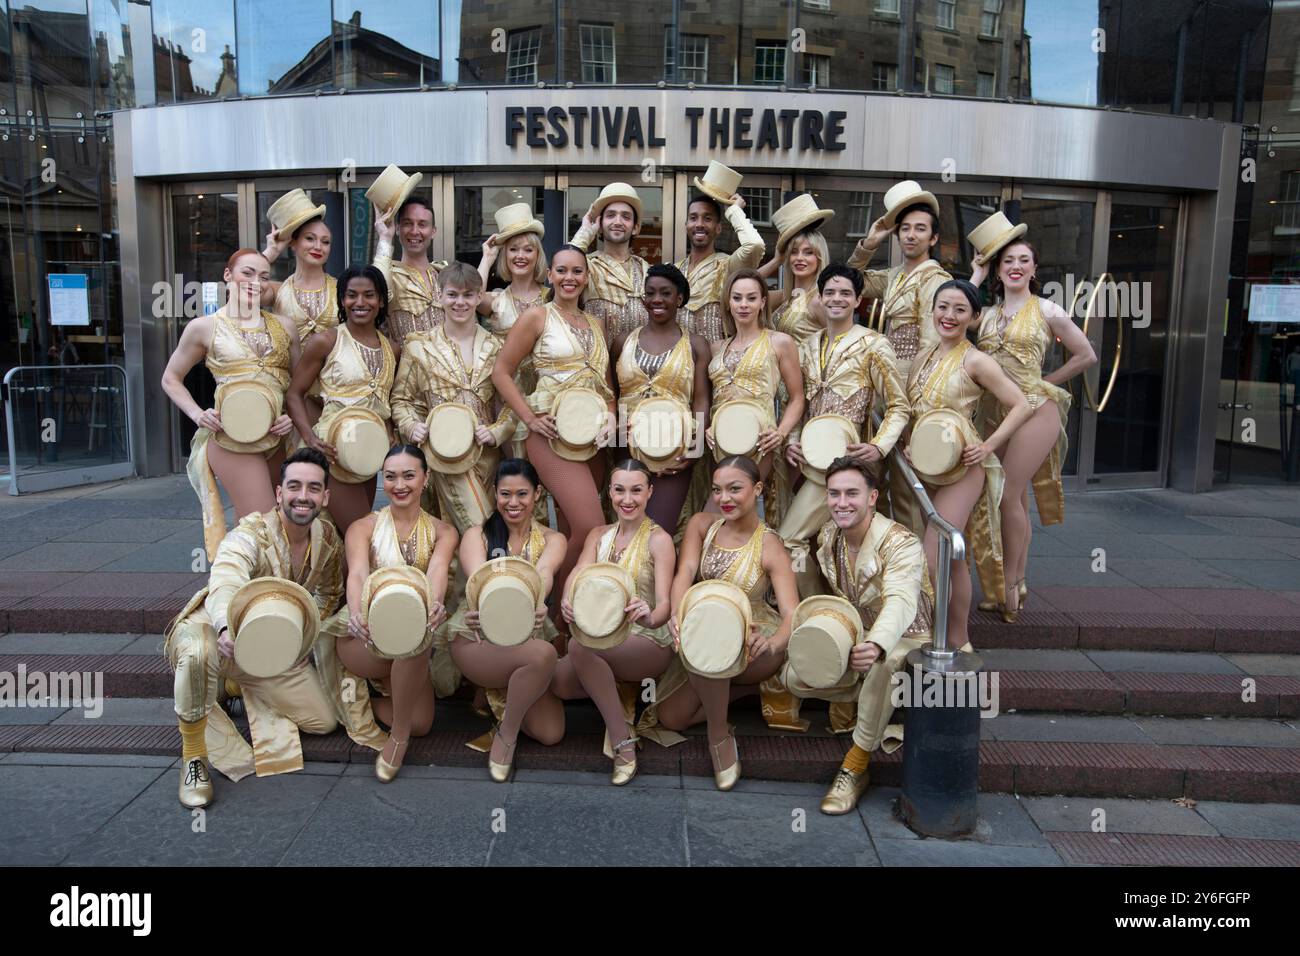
(66, 425)
(952, 547)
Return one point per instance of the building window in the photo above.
(1287, 212)
(859, 214)
(889, 7)
(991, 19)
(597, 44)
(522, 47)
(884, 77)
(984, 85)
(769, 62)
(816, 69)
(947, 16)
(758, 204)
(943, 81)
(693, 65)
(817, 4)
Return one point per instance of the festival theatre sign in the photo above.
(590, 127)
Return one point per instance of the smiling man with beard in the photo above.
(617, 274)
(878, 566)
(290, 542)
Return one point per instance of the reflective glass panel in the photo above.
(284, 46)
(383, 44)
(194, 50)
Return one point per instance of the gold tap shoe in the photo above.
(196, 783)
(384, 770)
(846, 789)
(728, 778)
(624, 772)
(997, 606)
(500, 772)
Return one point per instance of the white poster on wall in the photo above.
(69, 300)
(1275, 303)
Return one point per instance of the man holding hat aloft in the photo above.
(878, 566)
(414, 292)
(280, 568)
(617, 274)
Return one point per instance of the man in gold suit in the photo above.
(878, 566)
(414, 292)
(847, 370)
(906, 295)
(453, 363)
(290, 542)
(706, 269)
(617, 275)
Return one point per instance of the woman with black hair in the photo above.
(645, 550)
(515, 678)
(662, 360)
(355, 366)
(400, 533)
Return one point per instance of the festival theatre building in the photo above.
(1153, 145)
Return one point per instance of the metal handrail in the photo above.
(952, 547)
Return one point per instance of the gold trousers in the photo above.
(465, 499)
(803, 519)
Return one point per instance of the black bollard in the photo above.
(941, 743)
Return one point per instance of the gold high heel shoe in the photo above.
(996, 605)
(384, 770)
(1009, 615)
(624, 772)
(1024, 593)
(500, 772)
(725, 779)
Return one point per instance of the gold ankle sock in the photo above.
(856, 759)
(193, 740)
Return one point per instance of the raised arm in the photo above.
(751, 250)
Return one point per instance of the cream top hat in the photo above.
(360, 437)
(247, 410)
(506, 592)
(660, 432)
(290, 211)
(796, 216)
(825, 438)
(736, 427)
(901, 195)
(937, 441)
(714, 623)
(579, 414)
(617, 192)
(392, 188)
(274, 623)
(824, 630)
(992, 235)
(599, 592)
(451, 446)
(515, 219)
(395, 606)
(720, 182)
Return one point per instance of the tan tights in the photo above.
(409, 712)
(1022, 456)
(249, 479)
(575, 486)
(525, 672)
(955, 503)
(708, 698)
(585, 672)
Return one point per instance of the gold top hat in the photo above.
(901, 195)
(247, 408)
(599, 592)
(506, 592)
(825, 438)
(579, 414)
(392, 188)
(720, 182)
(395, 606)
(824, 629)
(274, 623)
(515, 219)
(617, 192)
(659, 432)
(938, 439)
(714, 620)
(290, 211)
(360, 437)
(992, 235)
(451, 446)
(736, 427)
(796, 216)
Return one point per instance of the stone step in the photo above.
(1031, 755)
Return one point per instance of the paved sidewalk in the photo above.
(123, 811)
